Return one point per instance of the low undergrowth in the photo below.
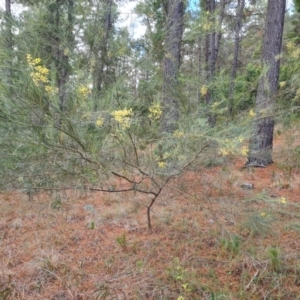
(210, 239)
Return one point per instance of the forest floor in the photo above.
(212, 238)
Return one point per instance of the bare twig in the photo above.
(253, 277)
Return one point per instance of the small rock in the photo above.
(247, 186)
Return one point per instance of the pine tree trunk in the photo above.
(238, 27)
(210, 56)
(261, 143)
(199, 69)
(102, 47)
(171, 62)
(8, 42)
(219, 31)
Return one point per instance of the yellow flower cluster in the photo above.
(31, 61)
(251, 113)
(161, 164)
(207, 26)
(296, 53)
(293, 50)
(99, 122)
(123, 117)
(155, 111)
(84, 91)
(282, 84)
(282, 200)
(40, 73)
(244, 151)
(203, 90)
(178, 134)
(290, 45)
(51, 90)
(232, 147)
(215, 105)
(224, 152)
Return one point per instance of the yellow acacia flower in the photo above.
(161, 164)
(203, 90)
(263, 214)
(42, 70)
(29, 59)
(51, 90)
(84, 91)
(296, 53)
(99, 122)
(178, 134)
(244, 150)
(38, 77)
(207, 26)
(282, 84)
(282, 200)
(39, 73)
(251, 113)
(224, 151)
(48, 89)
(290, 45)
(155, 111)
(33, 62)
(215, 105)
(67, 51)
(123, 117)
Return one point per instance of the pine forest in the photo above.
(150, 149)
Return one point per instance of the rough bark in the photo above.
(261, 143)
(8, 41)
(199, 68)
(102, 48)
(238, 27)
(212, 46)
(171, 62)
(210, 58)
(8, 24)
(219, 31)
(60, 54)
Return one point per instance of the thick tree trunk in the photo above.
(210, 57)
(212, 46)
(238, 27)
(8, 42)
(102, 47)
(219, 31)
(261, 143)
(8, 24)
(62, 58)
(171, 62)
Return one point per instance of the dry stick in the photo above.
(254, 276)
(153, 201)
(134, 147)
